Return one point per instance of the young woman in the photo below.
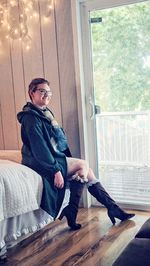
(45, 150)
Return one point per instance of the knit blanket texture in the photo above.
(20, 189)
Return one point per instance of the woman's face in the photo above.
(42, 95)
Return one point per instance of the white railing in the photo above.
(123, 141)
(123, 138)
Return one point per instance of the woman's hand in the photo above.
(59, 180)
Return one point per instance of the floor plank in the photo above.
(98, 243)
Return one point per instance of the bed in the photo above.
(20, 196)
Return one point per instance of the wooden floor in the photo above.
(97, 243)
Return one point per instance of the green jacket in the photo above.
(39, 154)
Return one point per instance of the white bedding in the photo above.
(20, 197)
(14, 229)
(20, 189)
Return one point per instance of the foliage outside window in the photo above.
(121, 58)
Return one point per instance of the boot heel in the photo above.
(117, 212)
(70, 219)
(112, 218)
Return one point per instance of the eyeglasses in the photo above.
(44, 92)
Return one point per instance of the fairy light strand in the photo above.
(16, 17)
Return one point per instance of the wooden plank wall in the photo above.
(50, 56)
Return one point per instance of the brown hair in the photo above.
(34, 83)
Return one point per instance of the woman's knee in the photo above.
(84, 165)
(91, 175)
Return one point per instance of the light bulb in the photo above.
(35, 15)
(16, 31)
(27, 47)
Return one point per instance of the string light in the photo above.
(16, 17)
(49, 8)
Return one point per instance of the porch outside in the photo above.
(123, 145)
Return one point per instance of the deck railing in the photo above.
(123, 138)
(123, 141)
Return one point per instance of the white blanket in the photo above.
(20, 189)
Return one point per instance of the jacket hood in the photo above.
(30, 108)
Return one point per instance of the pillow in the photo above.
(137, 253)
(144, 232)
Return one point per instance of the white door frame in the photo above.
(84, 77)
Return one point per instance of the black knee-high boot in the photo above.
(114, 211)
(71, 210)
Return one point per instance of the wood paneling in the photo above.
(1, 132)
(67, 73)
(32, 58)
(18, 82)
(8, 111)
(51, 56)
(50, 60)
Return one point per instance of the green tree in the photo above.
(121, 57)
